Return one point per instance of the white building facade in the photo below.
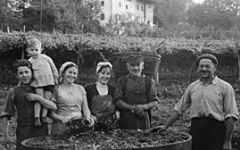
(126, 10)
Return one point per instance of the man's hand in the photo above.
(90, 120)
(139, 109)
(32, 97)
(117, 115)
(156, 129)
(94, 118)
(65, 119)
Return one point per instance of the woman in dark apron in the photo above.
(100, 97)
(135, 96)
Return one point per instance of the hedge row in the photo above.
(17, 40)
(178, 55)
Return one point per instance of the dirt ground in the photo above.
(159, 116)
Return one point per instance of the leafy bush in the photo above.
(88, 49)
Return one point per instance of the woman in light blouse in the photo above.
(70, 98)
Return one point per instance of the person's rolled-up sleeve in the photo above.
(152, 93)
(119, 93)
(229, 103)
(184, 102)
(9, 110)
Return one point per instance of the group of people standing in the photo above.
(43, 92)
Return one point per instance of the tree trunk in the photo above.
(238, 56)
(8, 29)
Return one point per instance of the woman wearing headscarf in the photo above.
(100, 97)
(71, 99)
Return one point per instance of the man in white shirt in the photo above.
(213, 108)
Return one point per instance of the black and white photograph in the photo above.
(119, 74)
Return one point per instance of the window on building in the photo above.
(118, 17)
(102, 17)
(149, 6)
(141, 7)
(137, 7)
(119, 4)
(102, 3)
(126, 6)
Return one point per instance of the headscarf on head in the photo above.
(101, 64)
(63, 69)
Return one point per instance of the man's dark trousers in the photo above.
(207, 134)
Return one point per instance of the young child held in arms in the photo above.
(45, 77)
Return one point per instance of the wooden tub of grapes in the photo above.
(112, 139)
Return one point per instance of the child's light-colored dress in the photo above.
(45, 71)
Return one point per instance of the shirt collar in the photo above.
(214, 81)
(135, 77)
(24, 85)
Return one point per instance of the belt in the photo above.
(210, 118)
(202, 115)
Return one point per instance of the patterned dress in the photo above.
(45, 72)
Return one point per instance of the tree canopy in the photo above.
(75, 16)
(67, 16)
(169, 12)
(221, 14)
